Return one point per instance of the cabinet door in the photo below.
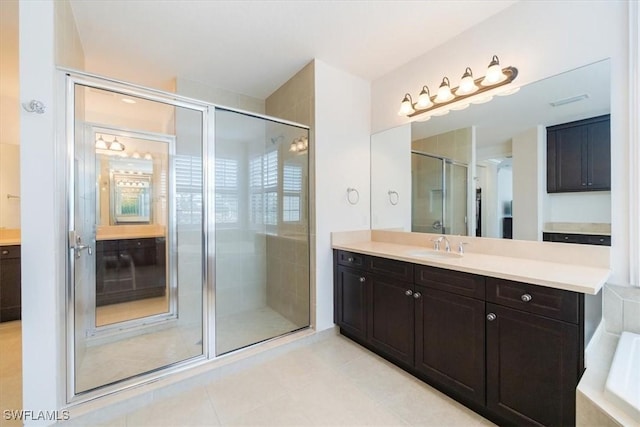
(532, 367)
(350, 300)
(571, 164)
(10, 288)
(599, 156)
(391, 317)
(450, 333)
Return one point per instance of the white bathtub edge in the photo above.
(623, 382)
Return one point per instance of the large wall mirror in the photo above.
(482, 171)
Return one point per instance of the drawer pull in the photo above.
(408, 292)
(417, 295)
(5, 252)
(362, 279)
(491, 317)
(350, 259)
(526, 297)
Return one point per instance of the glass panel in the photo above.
(138, 202)
(262, 230)
(427, 194)
(456, 199)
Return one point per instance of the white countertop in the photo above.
(578, 278)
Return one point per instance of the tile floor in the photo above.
(327, 382)
(10, 369)
(330, 382)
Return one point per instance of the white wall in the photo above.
(595, 207)
(541, 39)
(391, 161)
(529, 167)
(342, 129)
(42, 242)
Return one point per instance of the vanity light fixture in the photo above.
(473, 89)
(299, 145)
(100, 144)
(116, 145)
(444, 92)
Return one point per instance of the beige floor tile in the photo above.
(191, 408)
(237, 394)
(283, 411)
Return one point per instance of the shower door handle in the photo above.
(75, 243)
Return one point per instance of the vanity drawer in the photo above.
(389, 267)
(549, 302)
(456, 282)
(10, 252)
(351, 259)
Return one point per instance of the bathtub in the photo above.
(623, 383)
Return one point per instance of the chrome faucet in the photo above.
(436, 243)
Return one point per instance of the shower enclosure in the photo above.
(188, 233)
(439, 195)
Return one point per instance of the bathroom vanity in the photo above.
(512, 350)
(10, 299)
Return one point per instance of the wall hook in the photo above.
(34, 106)
(394, 197)
(353, 196)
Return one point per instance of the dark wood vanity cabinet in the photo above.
(130, 269)
(10, 289)
(511, 351)
(579, 156)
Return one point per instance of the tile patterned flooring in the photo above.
(330, 381)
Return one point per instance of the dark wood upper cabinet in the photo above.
(579, 156)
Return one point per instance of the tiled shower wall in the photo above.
(622, 309)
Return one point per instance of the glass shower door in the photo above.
(427, 194)
(261, 229)
(136, 246)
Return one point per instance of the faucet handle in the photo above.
(461, 247)
(436, 243)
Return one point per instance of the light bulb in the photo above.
(494, 73)
(135, 155)
(467, 85)
(444, 92)
(300, 145)
(148, 156)
(406, 107)
(100, 144)
(116, 145)
(293, 147)
(424, 99)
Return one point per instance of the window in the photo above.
(188, 170)
(291, 189)
(226, 191)
(263, 181)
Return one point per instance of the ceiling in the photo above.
(253, 47)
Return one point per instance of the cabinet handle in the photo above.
(417, 295)
(350, 259)
(526, 297)
(5, 252)
(408, 292)
(491, 317)
(362, 279)
(591, 183)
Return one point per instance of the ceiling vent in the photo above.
(565, 101)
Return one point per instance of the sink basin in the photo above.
(427, 253)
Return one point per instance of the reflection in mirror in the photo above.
(136, 258)
(507, 189)
(131, 253)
